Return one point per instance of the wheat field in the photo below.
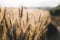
(23, 23)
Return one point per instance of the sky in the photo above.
(29, 3)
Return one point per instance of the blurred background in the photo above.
(53, 6)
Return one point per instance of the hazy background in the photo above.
(29, 3)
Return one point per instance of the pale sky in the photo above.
(29, 3)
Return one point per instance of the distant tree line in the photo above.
(55, 11)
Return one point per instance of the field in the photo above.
(28, 24)
(23, 24)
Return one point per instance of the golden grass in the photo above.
(23, 24)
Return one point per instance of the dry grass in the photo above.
(56, 20)
(23, 24)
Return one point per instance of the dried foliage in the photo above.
(23, 24)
